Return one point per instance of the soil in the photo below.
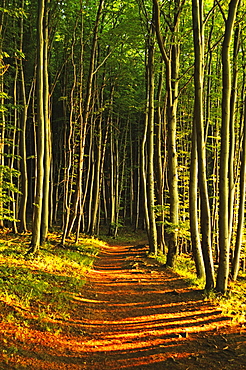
(132, 314)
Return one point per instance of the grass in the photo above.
(185, 267)
(34, 290)
(233, 303)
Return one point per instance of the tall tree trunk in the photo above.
(47, 133)
(68, 137)
(198, 34)
(12, 155)
(150, 148)
(171, 61)
(113, 180)
(232, 135)
(223, 270)
(37, 207)
(194, 230)
(22, 147)
(159, 166)
(241, 211)
(2, 117)
(143, 163)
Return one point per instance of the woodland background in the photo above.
(127, 113)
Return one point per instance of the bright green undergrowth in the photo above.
(185, 267)
(42, 287)
(233, 303)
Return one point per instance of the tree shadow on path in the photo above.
(134, 314)
(140, 315)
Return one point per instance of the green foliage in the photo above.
(7, 189)
(233, 303)
(13, 11)
(44, 284)
(185, 266)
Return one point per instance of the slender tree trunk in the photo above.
(22, 148)
(241, 211)
(113, 181)
(13, 202)
(172, 69)
(159, 166)
(143, 166)
(47, 133)
(193, 197)
(150, 152)
(2, 118)
(233, 99)
(100, 149)
(138, 186)
(223, 270)
(198, 34)
(68, 144)
(37, 210)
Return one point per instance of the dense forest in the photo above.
(127, 113)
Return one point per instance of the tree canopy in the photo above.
(126, 113)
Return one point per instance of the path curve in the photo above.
(135, 314)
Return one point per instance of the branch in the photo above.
(100, 65)
(158, 31)
(221, 10)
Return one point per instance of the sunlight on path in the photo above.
(138, 315)
(132, 314)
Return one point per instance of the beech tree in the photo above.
(38, 200)
(198, 144)
(171, 60)
(223, 271)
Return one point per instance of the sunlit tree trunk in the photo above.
(150, 149)
(47, 133)
(193, 198)
(2, 117)
(12, 155)
(68, 144)
(171, 60)
(113, 179)
(143, 165)
(198, 34)
(159, 166)
(241, 211)
(223, 270)
(22, 147)
(37, 207)
(233, 99)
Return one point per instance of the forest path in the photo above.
(135, 314)
(131, 314)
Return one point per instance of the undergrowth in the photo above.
(233, 303)
(36, 290)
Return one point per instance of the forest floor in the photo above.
(131, 314)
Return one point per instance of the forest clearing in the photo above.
(125, 311)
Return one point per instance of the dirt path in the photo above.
(138, 315)
(133, 314)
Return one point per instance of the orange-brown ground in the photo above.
(132, 314)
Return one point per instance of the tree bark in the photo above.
(198, 35)
(150, 148)
(37, 207)
(171, 61)
(239, 235)
(47, 133)
(223, 270)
